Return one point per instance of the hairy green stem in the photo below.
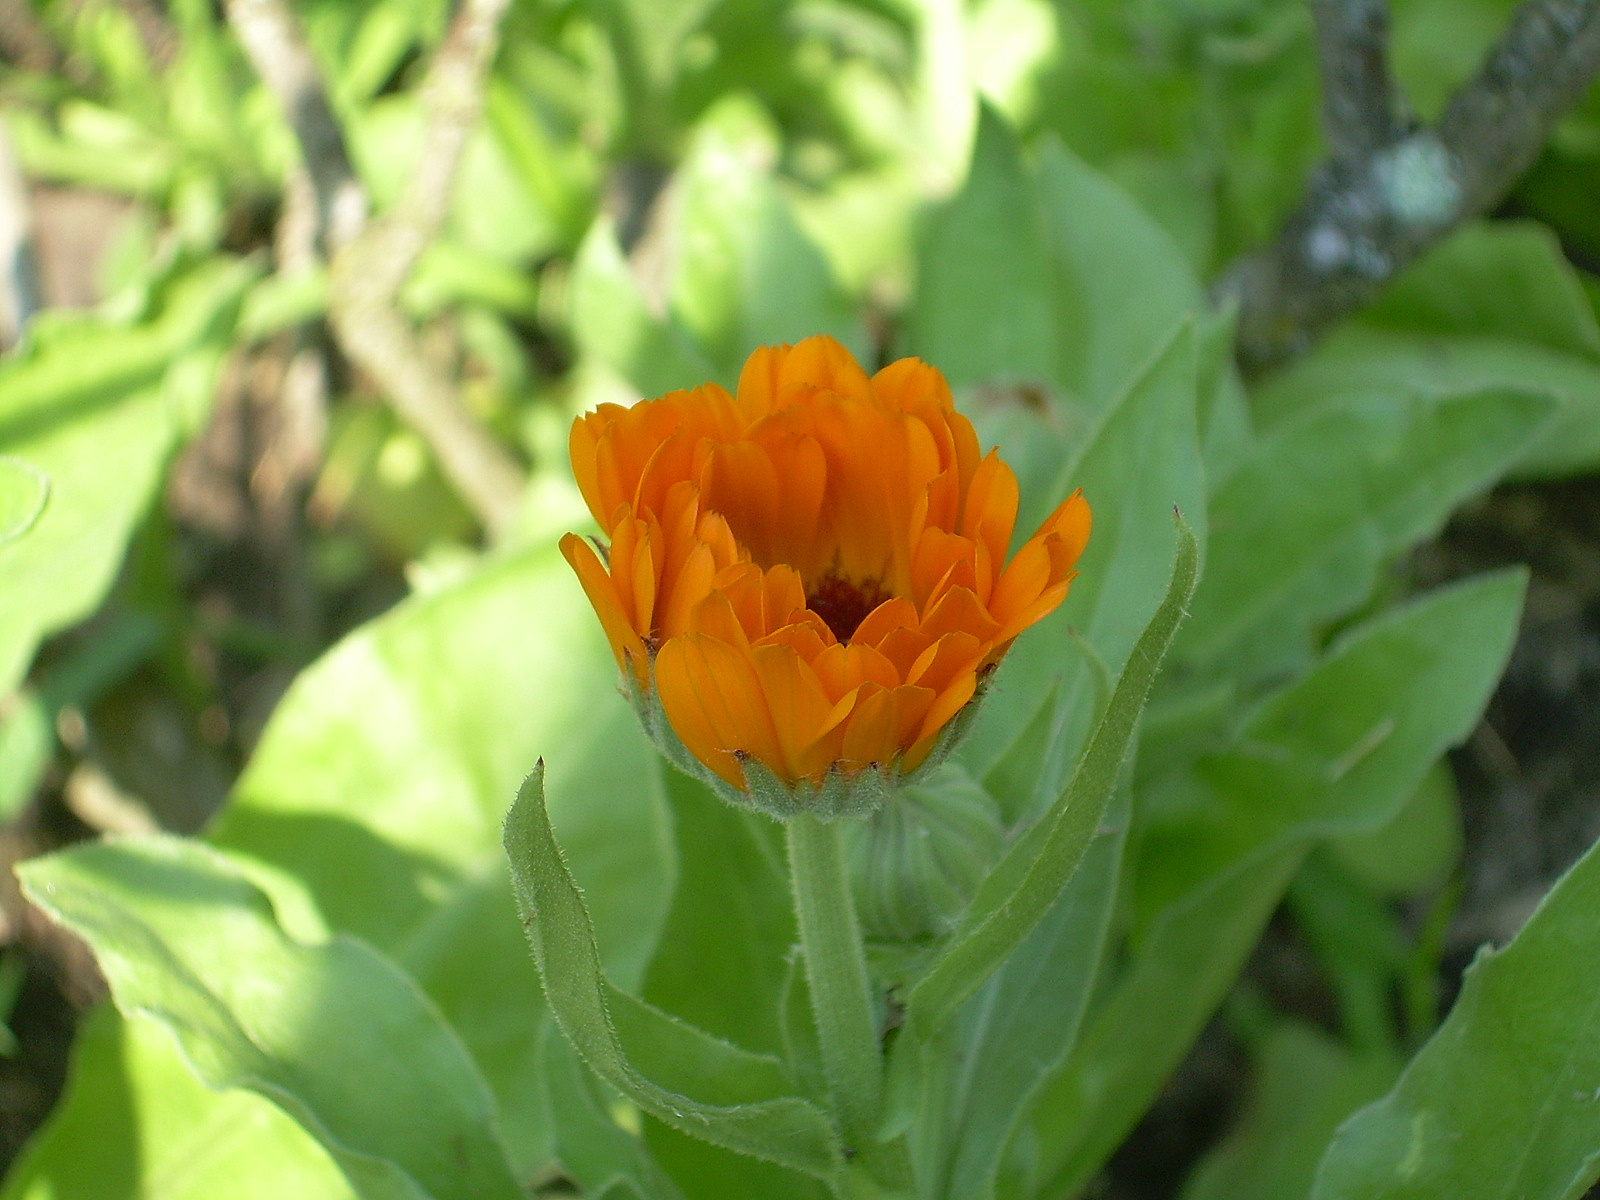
(836, 969)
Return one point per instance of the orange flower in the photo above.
(808, 576)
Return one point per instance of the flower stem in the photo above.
(836, 969)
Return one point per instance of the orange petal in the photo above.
(742, 484)
(949, 657)
(1031, 614)
(1020, 583)
(942, 561)
(685, 588)
(845, 666)
(713, 696)
(822, 363)
(800, 710)
(894, 613)
(757, 392)
(1070, 524)
(991, 507)
(804, 638)
(883, 724)
(951, 701)
(626, 644)
(715, 617)
(959, 611)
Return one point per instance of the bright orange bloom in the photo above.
(810, 572)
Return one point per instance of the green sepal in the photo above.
(744, 1116)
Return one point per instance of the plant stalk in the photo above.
(836, 969)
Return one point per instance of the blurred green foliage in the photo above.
(1033, 197)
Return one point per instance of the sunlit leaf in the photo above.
(185, 941)
(138, 1125)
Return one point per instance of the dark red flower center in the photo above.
(844, 603)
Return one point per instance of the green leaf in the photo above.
(741, 1113)
(590, 1144)
(1030, 876)
(1023, 1022)
(1133, 285)
(1417, 849)
(137, 1125)
(374, 801)
(1496, 306)
(1508, 279)
(743, 274)
(1145, 1022)
(1139, 463)
(612, 324)
(729, 933)
(1323, 500)
(1049, 276)
(1343, 747)
(89, 406)
(1504, 1100)
(987, 304)
(23, 492)
(1306, 1085)
(185, 940)
(1337, 752)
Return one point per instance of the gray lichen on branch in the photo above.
(1390, 189)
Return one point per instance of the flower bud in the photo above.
(805, 582)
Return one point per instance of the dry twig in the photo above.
(367, 276)
(1388, 191)
(370, 264)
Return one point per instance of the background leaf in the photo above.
(373, 804)
(1504, 1100)
(85, 396)
(172, 923)
(140, 1125)
(1338, 751)
(1349, 488)
(1272, 1152)
(23, 492)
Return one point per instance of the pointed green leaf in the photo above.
(1015, 1030)
(1029, 877)
(1349, 488)
(741, 1112)
(1495, 306)
(731, 895)
(593, 1149)
(186, 941)
(1504, 1100)
(373, 803)
(1140, 462)
(1306, 1084)
(1147, 1020)
(986, 300)
(1339, 751)
(1132, 283)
